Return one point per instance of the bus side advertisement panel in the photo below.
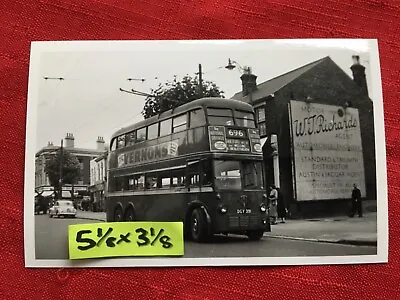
(327, 151)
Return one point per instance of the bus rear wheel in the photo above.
(255, 235)
(129, 215)
(118, 215)
(198, 226)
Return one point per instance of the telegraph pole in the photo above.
(61, 170)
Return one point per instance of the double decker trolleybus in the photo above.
(200, 163)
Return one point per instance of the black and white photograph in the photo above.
(271, 152)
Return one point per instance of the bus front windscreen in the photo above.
(229, 174)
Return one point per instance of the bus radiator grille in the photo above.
(243, 221)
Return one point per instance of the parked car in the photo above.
(42, 204)
(63, 208)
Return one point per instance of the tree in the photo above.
(70, 169)
(172, 94)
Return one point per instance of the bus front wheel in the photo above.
(255, 235)
(198, 225)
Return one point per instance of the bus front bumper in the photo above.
(231, 223)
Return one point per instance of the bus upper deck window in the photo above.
(152, 131)
(121, 141)
(113, 145)
(197, 118)
(165, 127)
(130, 138)
(179, 123)
(220, 116)
(244, 118)
(141, 135)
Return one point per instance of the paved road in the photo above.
(51, 243)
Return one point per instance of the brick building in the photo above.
(320, 84)
(84, 156)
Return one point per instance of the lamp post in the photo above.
(60, 183)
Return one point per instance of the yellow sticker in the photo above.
(113, 239)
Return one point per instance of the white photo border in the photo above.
(37, 48)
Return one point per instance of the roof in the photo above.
(275, 84)
(101, 156)
(211, 102)
(51, 148)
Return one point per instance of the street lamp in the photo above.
(245, 71)
(232, 65)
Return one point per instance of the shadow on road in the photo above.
(227, 239)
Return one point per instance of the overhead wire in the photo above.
(51, 77)
(101, 108)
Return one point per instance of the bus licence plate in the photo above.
(243, 211)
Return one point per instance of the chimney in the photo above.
(249, 82)
(69, 140)
(359, 74)
(50, 144)
(100, 143)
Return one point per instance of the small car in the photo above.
(63, 208)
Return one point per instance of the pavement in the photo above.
(89, 215)
(340, 230)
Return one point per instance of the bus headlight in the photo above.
(218, 196)
(263, 208)
(265, 197)
(222, 209)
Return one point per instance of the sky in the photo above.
(88, 102)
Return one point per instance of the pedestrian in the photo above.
(273, 204)
(356, 202)
(282, 211)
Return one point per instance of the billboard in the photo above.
(148, 154)
(327, 157)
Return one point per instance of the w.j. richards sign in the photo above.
(328, 157)
(149, 154)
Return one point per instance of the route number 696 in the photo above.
(233, 132)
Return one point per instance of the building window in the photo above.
(179, 123)
(165, 127)
(152, 131)
(260, 114)
(141, 135)
(263, 128)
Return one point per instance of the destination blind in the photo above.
(234, 140)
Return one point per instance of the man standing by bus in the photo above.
(273, 205)
(356, 202)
